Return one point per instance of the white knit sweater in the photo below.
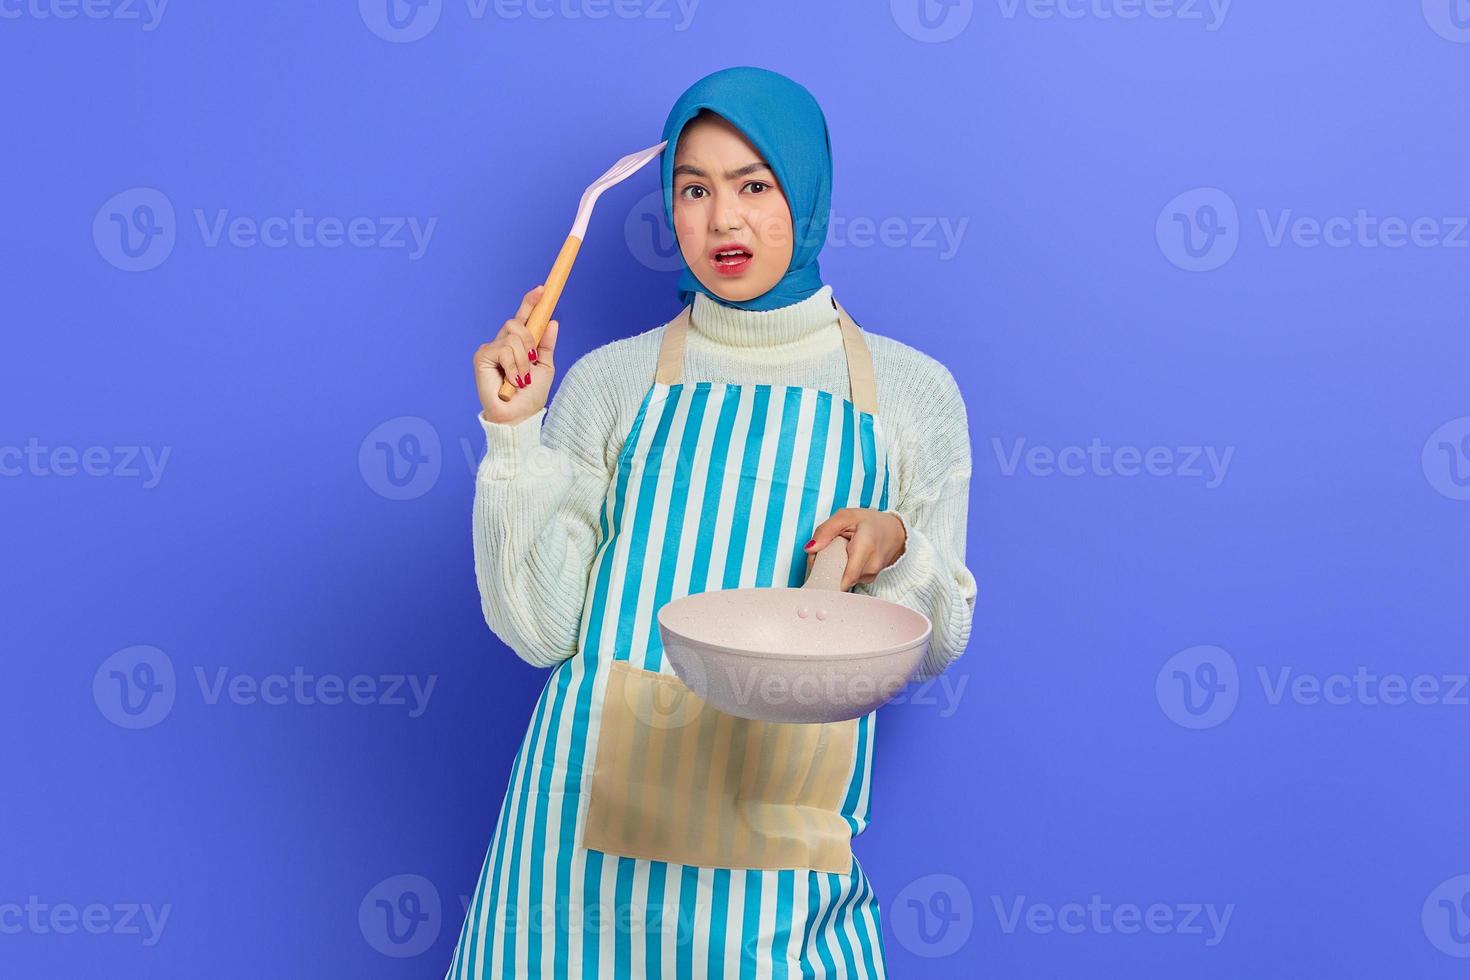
(540, 488)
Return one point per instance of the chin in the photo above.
(738, 290)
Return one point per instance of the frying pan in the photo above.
(813, 654)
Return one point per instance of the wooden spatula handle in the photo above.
(541, 314)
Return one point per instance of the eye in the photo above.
(760, 184)
(684, 191)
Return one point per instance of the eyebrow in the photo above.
(749, 168)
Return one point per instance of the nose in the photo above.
(724, 216)
(726, 221)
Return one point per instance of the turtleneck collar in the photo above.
(810, 321)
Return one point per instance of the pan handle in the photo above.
(828, 566)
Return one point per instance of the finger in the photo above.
(521, 332)
(859, 555)
(505, 359)
(536, 353)
(547, 344)
(519, 359)
(528, 302)
(484, 356)
(838, 523)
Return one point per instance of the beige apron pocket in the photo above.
(677, 780)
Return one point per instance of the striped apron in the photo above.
(717, 486)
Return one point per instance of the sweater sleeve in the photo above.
(538, 499)
(932, 500)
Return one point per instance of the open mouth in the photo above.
(731, 261)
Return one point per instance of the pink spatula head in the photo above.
(562, 267)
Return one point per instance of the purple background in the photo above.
(1052, 767)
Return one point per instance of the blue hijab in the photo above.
(783, 121)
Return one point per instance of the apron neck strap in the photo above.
(859, 361)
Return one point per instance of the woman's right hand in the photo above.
(514, 354)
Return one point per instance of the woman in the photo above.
(642, 836)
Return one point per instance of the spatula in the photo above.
(562, 267)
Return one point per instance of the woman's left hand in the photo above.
(875, 540)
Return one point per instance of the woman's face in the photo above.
(726, 199)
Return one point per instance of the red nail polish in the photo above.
(527, 381)
(811, 542)
(517, 380)
(532, 355)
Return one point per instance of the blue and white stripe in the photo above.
(718, 486)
